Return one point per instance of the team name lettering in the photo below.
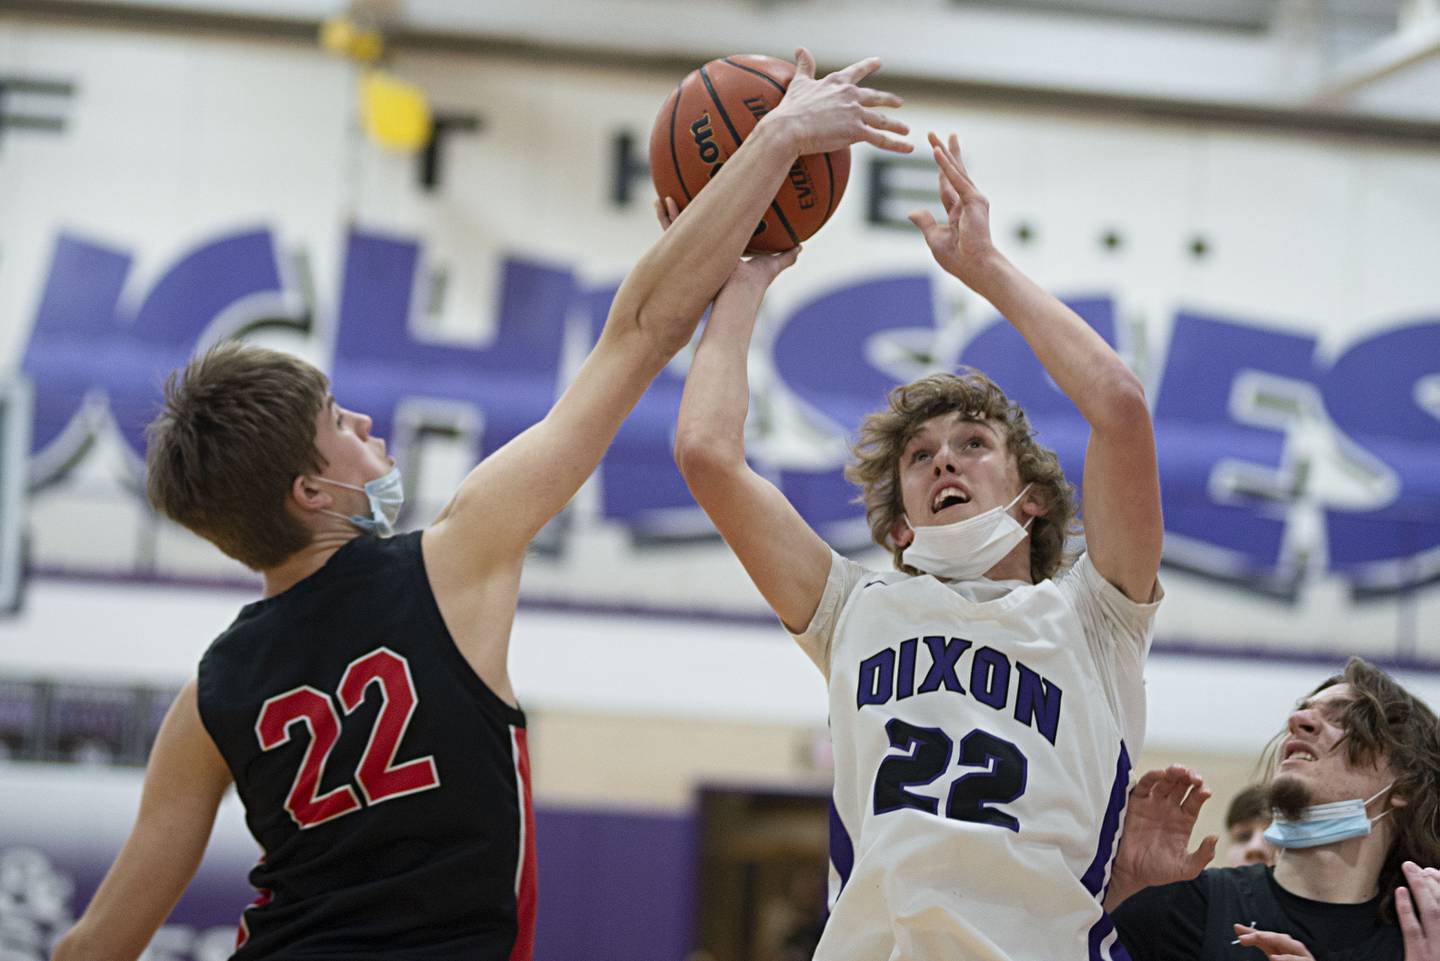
(994, 680)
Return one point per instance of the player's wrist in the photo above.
(779, 131)
(988, 274)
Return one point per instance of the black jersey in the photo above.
(388, 787)
(1194, 920)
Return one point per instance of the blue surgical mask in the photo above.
(1325, 823)
(386, 495)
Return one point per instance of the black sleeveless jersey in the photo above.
(388, 787)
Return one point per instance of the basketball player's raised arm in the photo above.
(1123, 528)
(788, 561)
(516, 490)
(184, 782)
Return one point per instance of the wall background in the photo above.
(1274, 289)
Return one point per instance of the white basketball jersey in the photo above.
(983, 735)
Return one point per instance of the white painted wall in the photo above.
(612, 664)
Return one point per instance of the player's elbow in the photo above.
(1121, 400)
(665, 328)
(703, 455)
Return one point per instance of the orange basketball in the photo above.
(703, 123)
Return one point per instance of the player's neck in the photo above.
(304, 562)
(1014, 566)
(1345, 872)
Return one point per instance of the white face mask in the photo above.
(965, 550)
(386, 495)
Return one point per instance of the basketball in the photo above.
(704, 122)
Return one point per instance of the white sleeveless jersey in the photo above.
(983, 737)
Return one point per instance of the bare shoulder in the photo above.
(477, 604)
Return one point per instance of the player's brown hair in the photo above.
(884, 434)
(1384, 723)
(1249, 805)
(237, 427)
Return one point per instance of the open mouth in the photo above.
(1298, 752)
(948, 497)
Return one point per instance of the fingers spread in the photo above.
(804, 63)
(953, 173)
(1424, 894)
(950, 199)
(878, 98)
(1195, 862)
(922, 219)
(856, 71)
(1195, 800)
(1271, 942)
(1149, 779)
(1410, 928)
(874, 118)
(885, 142)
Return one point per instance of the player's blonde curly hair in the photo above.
(884, 434)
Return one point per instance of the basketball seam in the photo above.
(759, 73)
(675, 157)
(830, 199)
(829, 167)
(735, 134)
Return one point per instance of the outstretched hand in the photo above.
(1417, 903)
(754, 273)
(835, 111)
(1158, 822)
(1274, 945)
(1418, 907)
(962, 243)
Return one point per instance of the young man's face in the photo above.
(1314, 756)
(352, 455)
(1247, 844)
(954, 469)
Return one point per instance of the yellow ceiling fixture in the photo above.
(394, 113)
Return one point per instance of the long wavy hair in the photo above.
(1386, 724)
(884, 434)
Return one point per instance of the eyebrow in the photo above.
(1325, 705)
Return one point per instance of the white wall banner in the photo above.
(1277, 295)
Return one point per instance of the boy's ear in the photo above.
(900, 533)
(307, 495)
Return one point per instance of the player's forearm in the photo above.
(1079, 360)
(671, 285)
(106, 936)
(716, 401)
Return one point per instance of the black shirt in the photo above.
(387, 786)
(1191, 920)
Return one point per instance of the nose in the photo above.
(1303, 721)
(362, 425)
(944, 461)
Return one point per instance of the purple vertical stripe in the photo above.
(1096, 878)
(842, 852)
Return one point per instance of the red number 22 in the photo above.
(379, 777)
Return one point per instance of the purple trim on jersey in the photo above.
(1096, 878)
(842, 852)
